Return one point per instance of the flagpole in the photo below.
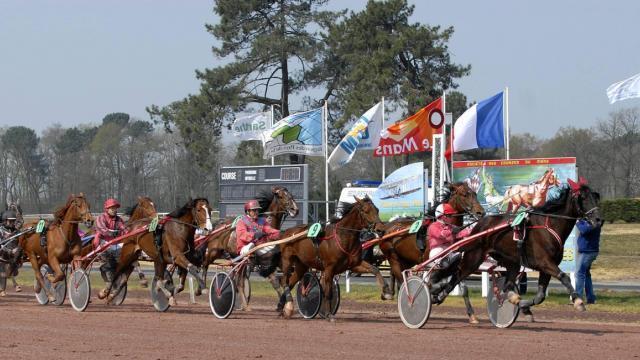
(444, 113)
(506, 119)
(272, 118)
(383, 157)
(326, 161)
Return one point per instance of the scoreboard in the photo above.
(241, 183)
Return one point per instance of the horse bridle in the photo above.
(284, 213)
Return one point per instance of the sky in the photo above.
(72, 62)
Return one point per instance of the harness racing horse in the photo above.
(545, 231)
(402, 251)
(171, 243)
(276, 205)
(139, 214)
(339, 250)
(533, 195)
(63, 241)
(9, 267)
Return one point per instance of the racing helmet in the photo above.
(9, 215)
(444, 209)
(111, 202)
(251, 205)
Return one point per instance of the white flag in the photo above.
(361, 131)
(625, 89)
(251, 127)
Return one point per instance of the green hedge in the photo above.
(627, 210)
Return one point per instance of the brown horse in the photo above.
(276, 205)
(533, 195)
(171, 243)
(546, 228)
(402, 251)
(339, 250)
(63, 241)
(140, 213)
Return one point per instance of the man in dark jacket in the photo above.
(588, 248)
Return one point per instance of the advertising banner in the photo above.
(402, 193)
(504, 185)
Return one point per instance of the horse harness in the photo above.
(519, 225)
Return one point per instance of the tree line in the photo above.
(272, 51)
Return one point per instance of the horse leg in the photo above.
(239, 279)
(554, 270)
(326, 283)
(299, 269)
(58, 274)
(467, 303)
(182, 262)
(470, 261)
(365, 267)
(525, 305)
(182, 276)
(143, 280)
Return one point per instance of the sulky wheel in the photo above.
(502, 313)
(222, 295)
(79, 290)
(414, 302)
(309, 296)
(159, 299)
(60, 290)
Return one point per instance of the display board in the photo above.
(238, 184)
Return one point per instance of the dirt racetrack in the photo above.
(136, 331)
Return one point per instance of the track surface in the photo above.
(136, 331)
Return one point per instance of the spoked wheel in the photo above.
(335, 300)
(502, 313)
(414, 302)
(222, 295)
(60, 289)
(159, 299)
(309, 296)
(79, 290)
(247, 289)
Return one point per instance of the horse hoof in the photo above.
(172, 301)
(578, 304)
(386, 296)
(3, 293)
(513, 298)
(51, 298)
(331, 318)
(18, 288)
(473, 320)
(103, 294)
(530, 318)
(197, 292)
(288, 310)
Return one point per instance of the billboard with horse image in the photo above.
(509, 185)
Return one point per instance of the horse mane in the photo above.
(555, 205)
(180, 212)
(265, 198)
(58, 215)
(131, 209)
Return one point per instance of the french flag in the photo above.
(481, 126)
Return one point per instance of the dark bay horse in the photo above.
(63, 241)
(276, 205)
(402, 251)
(339, 250)
(139, 214)
(546, 228)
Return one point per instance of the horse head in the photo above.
(144, 208)
(464, 200)
(78, 209)
(202, 213)
(284, 201)
(586, 201)
(369, 214)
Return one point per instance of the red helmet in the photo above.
(111, 203)
(251, 205)
(444, 209)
